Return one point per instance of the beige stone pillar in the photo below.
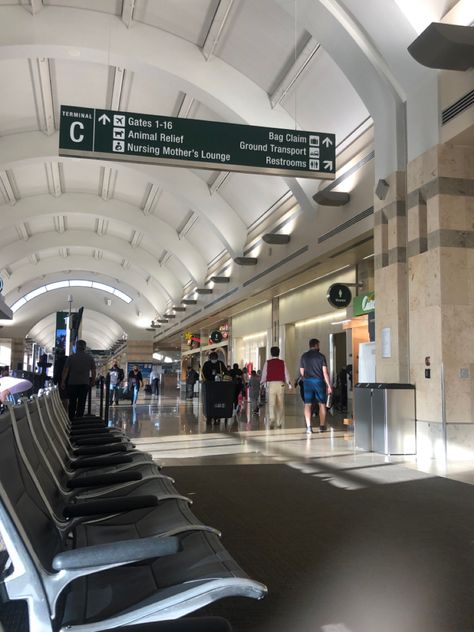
(441, 287)
(391, 295)
(18, 351)
(139, 351)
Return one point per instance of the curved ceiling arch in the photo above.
(82, 275)
(218, 85)
(99, 331)
(46, 205)
(137, 256)
(130, 322)
(217, 214)
(46, 271)
(382, 87)
(53, 33)
(104, 330)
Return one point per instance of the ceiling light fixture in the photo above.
(275, 239)
(246, 261)
(331, 198)
(444, 47)
(220, 279)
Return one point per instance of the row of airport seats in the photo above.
(96, 535)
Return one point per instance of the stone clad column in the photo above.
(441, 288)
(18, 351)
(391, 295)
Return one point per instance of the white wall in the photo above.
(5, 353)
(251, 330)
(252, 322)
(310, 301)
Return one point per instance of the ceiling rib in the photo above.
(44, 94)
(59, 223)
(217, 181)
(189, 221)
(215, 31)
(106, 184)
(185, 106)
(101, 226)
(54, 178)
(291, 77)
(119, 76)
(152, 198)
(33, 6)
(23, 231)
(165, 257)
(128, 7)
(136, 239)
(7, 188)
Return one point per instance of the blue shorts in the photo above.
(314, 389)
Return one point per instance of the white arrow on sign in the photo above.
(327, 141)
(328, 165)
(104, 119)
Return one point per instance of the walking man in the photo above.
(314, 371)
(275, 376)
(79, 374)
(116, 379)
(155, 381)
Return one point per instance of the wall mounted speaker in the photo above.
(381, 189)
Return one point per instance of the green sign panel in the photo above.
(364, 303)
(166, 140)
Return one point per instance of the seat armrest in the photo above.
(109, 505)
(100, 449)
(87, 462)
(96, 440)
(116, 553)
(104, 479)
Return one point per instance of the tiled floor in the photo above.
(176, 433)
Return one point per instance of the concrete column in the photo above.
(139, 351)
(390, 262)
(441, 286)
(18, 350)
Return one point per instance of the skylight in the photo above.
(72, 283)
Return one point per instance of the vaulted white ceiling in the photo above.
(157, 232)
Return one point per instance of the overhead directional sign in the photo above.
(130, 137)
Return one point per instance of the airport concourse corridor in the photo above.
(346, 541)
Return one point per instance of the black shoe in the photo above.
(322, 429)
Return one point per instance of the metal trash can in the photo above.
(384, 418)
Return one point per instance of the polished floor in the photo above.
(174, 430)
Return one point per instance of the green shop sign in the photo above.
(364, 303)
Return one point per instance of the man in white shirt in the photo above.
(154, 381)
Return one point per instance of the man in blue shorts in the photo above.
(314, 370)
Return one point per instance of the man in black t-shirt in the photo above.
(314, 370)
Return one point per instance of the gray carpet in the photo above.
(386, 558)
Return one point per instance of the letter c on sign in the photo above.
(72, 132)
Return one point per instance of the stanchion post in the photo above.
(89, 403)
(101, 397)
(107, 399)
